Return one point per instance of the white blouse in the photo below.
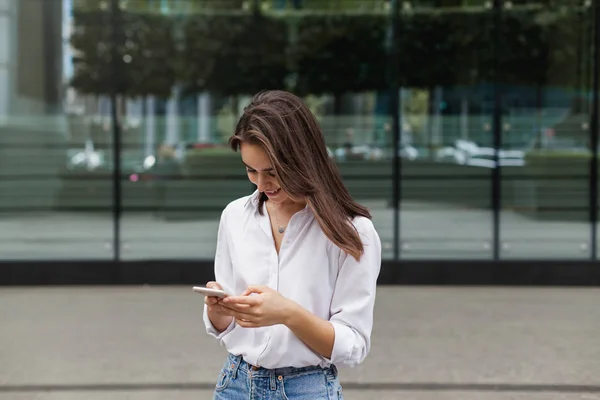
(310, 270)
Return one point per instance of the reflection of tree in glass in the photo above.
(146, 57)
(233, 54)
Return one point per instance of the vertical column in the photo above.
(6, 39)
(396, 118)
(173, 118)
(52, 11)
(203, 118)
(497, 128)
(437, 116)
(66, 37)
(149, 126)
(117, 200)
(38, 70)
(594, 124)
(133, 112)
(464, 117)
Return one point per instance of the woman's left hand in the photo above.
(268, 307)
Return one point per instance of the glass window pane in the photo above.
(54, 201)
(446, 139)
(546, 113)
(342, 73)
(179, 173)
(5, 30)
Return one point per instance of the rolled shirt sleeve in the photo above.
(223, 275)
(353, 299)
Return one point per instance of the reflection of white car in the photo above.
(450, 154)
(506, 158)
(460, 153)
(409, 152)
(364, 152)
(88, 158)
(466, 152)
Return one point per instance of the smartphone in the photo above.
(210, 292)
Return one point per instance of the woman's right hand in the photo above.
(219, 319)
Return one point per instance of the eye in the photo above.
(250, 171)
(271, 173)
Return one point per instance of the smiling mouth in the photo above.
(272, 193)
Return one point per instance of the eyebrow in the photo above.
(264, 170)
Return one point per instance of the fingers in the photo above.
(218, 309)
(244, 308)
(246, 324)
(211, 300)
(228, 310)
(256, 289)
(223, 310)
(248, 301)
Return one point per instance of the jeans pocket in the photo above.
(311, 386)
(224, 379)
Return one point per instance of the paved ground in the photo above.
(428, 343)
(427, 231)
(348, 395)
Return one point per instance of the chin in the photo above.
(278, 200)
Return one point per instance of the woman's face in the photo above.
(261, 172)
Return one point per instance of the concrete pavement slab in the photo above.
(348, 395)
(422, 335)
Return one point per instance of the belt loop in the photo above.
(331, 373)
(272, 379)
(236, 365)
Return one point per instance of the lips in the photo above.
(272, 193)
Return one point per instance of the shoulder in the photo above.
(237, 208)
(365, 228)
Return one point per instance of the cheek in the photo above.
(251, 178)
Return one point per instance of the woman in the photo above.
(299, 259)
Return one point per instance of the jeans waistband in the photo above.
(238, 362)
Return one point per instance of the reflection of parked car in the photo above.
(90, 159)
(506, 158)
(409, 152)
(465, 152)
(365, 152)
(85, 159)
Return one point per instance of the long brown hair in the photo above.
(289, 133)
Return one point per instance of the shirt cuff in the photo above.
(210, 329)
(343, 345)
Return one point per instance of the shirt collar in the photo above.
(253, 199)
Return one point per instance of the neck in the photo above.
(288, 206)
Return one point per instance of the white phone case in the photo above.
(210, 292)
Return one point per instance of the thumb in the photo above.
(214, 285)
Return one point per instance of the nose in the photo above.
(262, 183)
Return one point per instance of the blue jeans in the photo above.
(240, 381)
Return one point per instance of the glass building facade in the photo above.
(469, 127)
